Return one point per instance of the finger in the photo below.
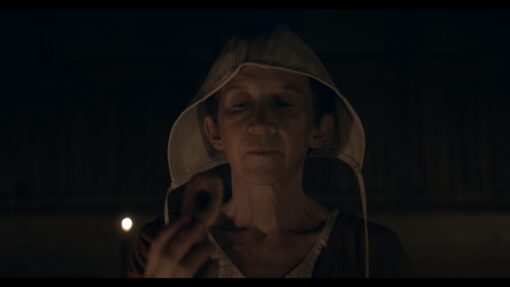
(183, 241)
(158, 244)
(197, 257)
(169, 266)
(209, 269)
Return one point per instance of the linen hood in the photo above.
(189, 151)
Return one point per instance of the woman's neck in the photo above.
(274, 208)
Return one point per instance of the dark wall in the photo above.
(89, 97)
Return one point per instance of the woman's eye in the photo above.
(241, 105)
(283, 104)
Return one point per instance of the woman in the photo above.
(267, 104)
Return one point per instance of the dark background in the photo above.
(88, 98)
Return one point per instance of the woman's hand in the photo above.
(181, 250)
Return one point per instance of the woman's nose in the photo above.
(261, 124)
(261, 129)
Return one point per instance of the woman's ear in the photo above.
(322, 133)
(212, 132)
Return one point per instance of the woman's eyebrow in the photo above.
(231, 88)
(293, 88)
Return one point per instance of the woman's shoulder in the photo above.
(347, 221)
(387, 255)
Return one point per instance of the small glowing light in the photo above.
(126, 224)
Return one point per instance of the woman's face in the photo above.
(265, 124)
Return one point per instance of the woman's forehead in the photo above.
(254, 76)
